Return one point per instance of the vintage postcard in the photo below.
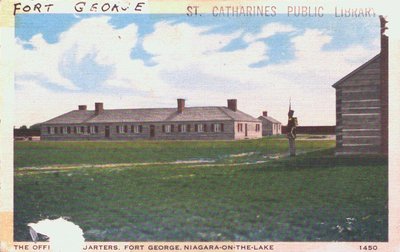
(130, 125)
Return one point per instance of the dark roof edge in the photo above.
(355, 71)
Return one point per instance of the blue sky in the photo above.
(130, 61)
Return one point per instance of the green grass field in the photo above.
(202, 190)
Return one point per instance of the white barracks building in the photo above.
(180, 123)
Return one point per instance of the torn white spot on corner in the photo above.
(64, 236)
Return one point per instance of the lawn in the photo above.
(37, 154)
(235, 190)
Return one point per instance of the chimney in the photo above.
(265, 113)
(98, 108)
(232, 104)
(384, 88)
(181, 105)
(82, 107)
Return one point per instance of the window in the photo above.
(188, 127)
(120, 129)
(96, 129)
(182, 128)
(50, 130)
(78, 130)
(125, 128)
(167, 128)
(217, 127)
(82, 130)
(92, 129)
(61, 130)
(257, 127)
(135, 129)
(55, 130)
(240, 127)
(199, 128)
(69, 130)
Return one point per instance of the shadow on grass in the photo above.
(327, 159)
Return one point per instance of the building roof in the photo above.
(152, 115)
(75, 116)
(270, 119)
(356, 71)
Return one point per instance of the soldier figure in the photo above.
(291, 132)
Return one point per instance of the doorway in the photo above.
(107, 132)
(152, 131)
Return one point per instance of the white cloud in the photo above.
(94, 36)
(32, 62)
(267, 31)
(310, 42)
(97, 35)
(190, 63)
(177, 45)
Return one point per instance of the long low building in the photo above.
(180, 123)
